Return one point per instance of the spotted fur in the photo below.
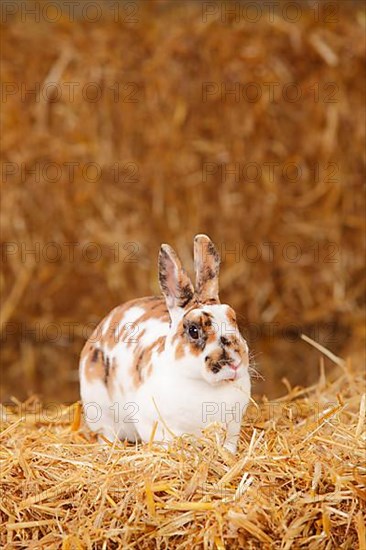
(168, 357)
(207, 264)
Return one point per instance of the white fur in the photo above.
(180, 395)
(175, 395)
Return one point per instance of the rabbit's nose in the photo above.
(234, 366)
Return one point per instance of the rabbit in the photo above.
(160, 367)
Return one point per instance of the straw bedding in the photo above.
(161, 144)
(298, 480)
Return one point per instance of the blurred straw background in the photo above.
(130, 139)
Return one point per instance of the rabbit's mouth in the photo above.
(228, 371)
(234, 371)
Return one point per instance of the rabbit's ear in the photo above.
(206, 266)
(174, 281)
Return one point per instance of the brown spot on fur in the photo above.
(211, 337)
(220, 356)
(160, 344)
(208, 327)
(110, 337)
(95, 355)
(99, 366)
(225, 341)
(186, 345)
(135, 368)
(174, 281)
(180, 351)
(94, 367)
(107, 364)
(155, 310)
(111, 377)
(211, 301)
(142, 366)
(231, 317)
(133, 336)
(207, 318)
(178, 340)
(207, 264)
(186, 295)
(212, 361)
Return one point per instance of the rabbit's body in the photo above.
(170, 365)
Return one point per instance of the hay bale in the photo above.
(162, 154)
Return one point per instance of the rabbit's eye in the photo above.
(193, 332)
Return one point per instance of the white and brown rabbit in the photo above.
(172, 364)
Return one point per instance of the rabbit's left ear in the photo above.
(207, 266)
(174, 281)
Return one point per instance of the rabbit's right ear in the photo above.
(174, 281)
(207, 266)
